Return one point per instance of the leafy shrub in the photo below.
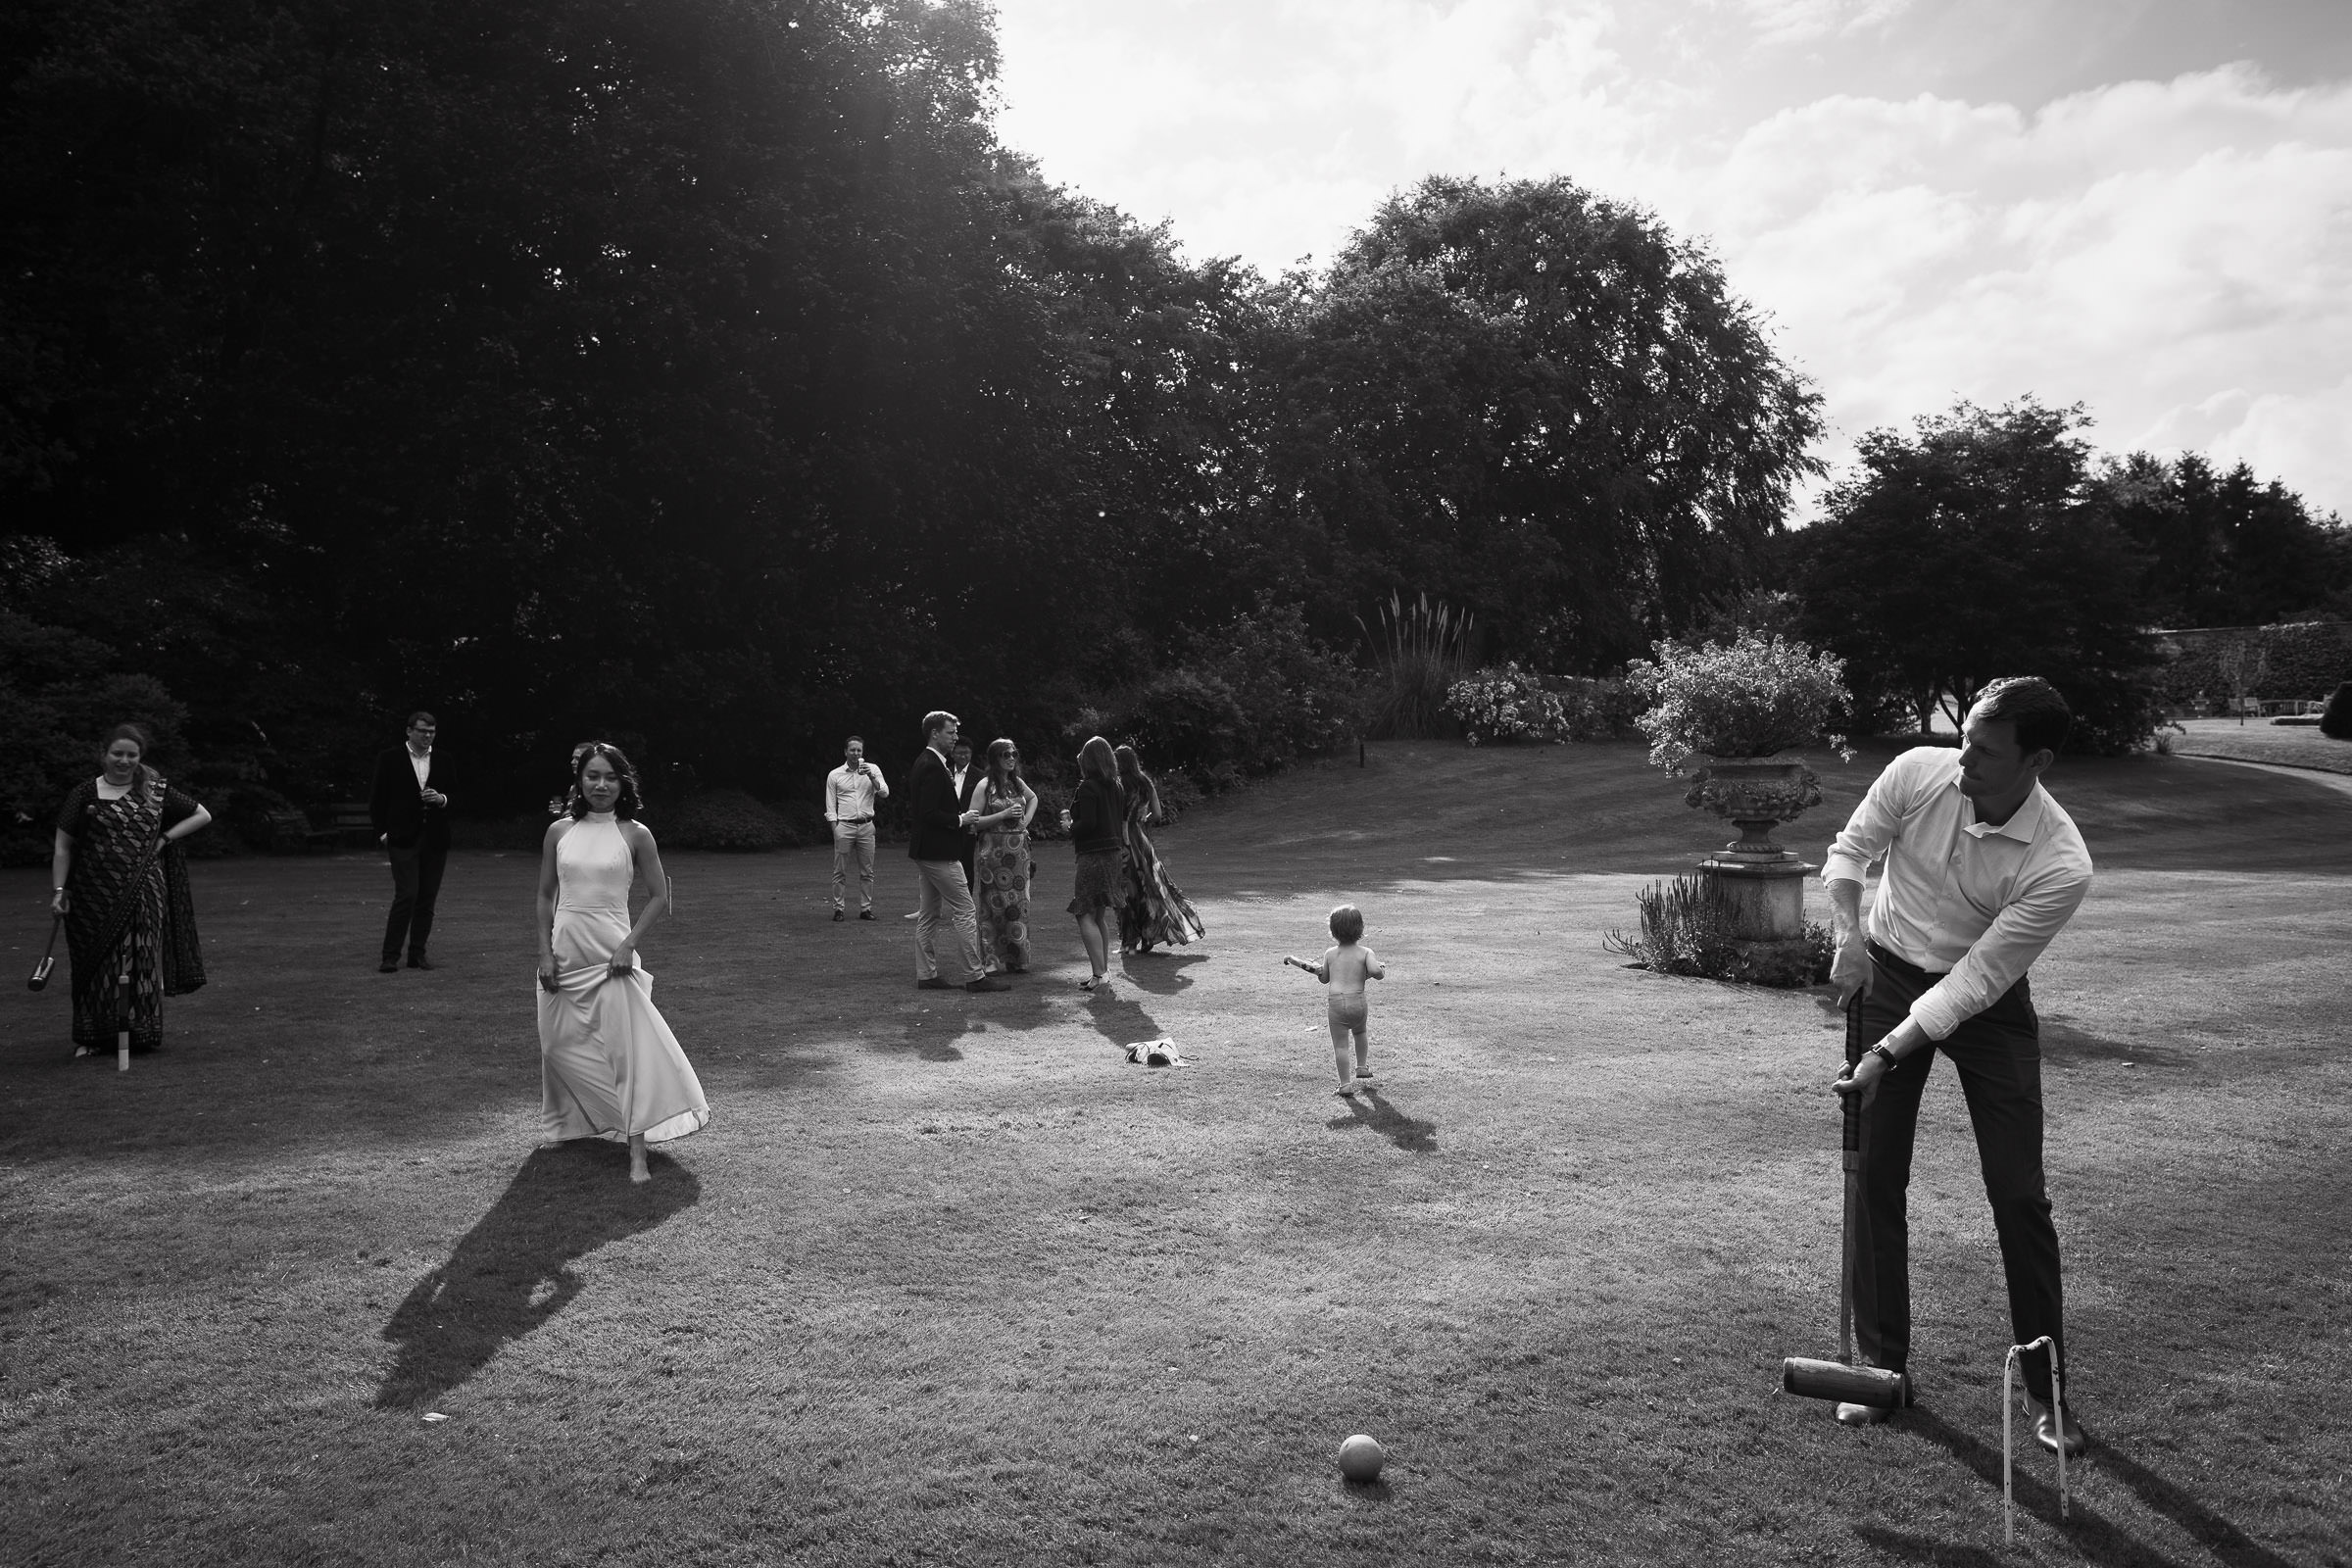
(1506, 704)
(1053, 798)
(2335, 723)
(1687, 930)
(2293, 660)
(1752, 697)
(1598, 709)
(1420, 652)
(720, 819)
(1297, 698)
(1186, 720)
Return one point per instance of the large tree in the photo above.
(1537, 403)
(1976, 547)
(2226, 548)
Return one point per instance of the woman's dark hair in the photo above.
(630, 800)
(1137, 784)
(1095, 761)
(998, 773)
(128, 732)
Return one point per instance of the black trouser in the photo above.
(416, 884)
(1999, 1057)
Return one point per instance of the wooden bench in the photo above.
(291, 833)
(348, 822)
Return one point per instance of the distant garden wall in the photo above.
(2303, 659)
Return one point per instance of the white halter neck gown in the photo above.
(608, 1062)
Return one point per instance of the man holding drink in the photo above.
(851, 792)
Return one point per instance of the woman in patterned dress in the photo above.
(1000, 863)
(1154, 908)
(122, 885)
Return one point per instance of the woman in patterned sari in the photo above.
(121, 884)
(1155, 909)
(1000, 863)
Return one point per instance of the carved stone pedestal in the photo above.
(1762, 884)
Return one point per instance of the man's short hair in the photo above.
(2034, 705)
(854, 740)
(420, 713)
(937, 720)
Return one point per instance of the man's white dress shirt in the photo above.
(849, 795)
(1957, 894)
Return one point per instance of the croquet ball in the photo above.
(1360, 1458)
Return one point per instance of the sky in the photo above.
(2141, 206)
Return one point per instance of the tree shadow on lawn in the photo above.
(1411, 1136)
(512, 1272)
(2097, 1538)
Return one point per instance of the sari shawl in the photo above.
(131, 931)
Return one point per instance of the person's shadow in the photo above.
(1371, 1108)
(1160, 973)
(512, 1271)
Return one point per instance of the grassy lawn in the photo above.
(2261, 740)
(947, 1281)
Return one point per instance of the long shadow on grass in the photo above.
(1161, 975)
(512, 1271)
(2095, 1537)
(1371, 1108)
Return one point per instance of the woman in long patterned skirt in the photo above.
(1000, 863)
(1154, 908)
(122, 885)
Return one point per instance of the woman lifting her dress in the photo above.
(121, 890)
(608, 1064)
(1154, 909)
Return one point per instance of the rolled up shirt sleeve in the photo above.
(1871, 830)
(2004, 953)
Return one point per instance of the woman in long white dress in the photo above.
(608, 1062)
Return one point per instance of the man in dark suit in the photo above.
(940, 832)
(966, 779)
(411, 823)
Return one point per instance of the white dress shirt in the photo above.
(421, 764)
(1959, 896)
(851, 795)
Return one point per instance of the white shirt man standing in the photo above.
(1983, 870)
(851, 792)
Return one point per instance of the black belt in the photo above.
(852, 822)
(1902, 967)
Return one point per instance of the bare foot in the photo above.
(638, 1174)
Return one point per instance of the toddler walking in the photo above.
(1344, 969)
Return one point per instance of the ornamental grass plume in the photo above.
(1751, 697)
(1422, 649)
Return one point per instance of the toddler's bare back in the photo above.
(1346, 969)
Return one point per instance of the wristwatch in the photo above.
(1881, 1051)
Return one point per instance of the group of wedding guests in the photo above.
(970, 842)
(608, 1060)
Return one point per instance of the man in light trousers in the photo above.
(940, 823)
(853, 790)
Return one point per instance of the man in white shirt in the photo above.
(1982, 871)
(851, 792)
(961, 775)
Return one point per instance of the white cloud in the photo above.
(2176, 255)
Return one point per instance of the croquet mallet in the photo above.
(1842, 1380)
(2009, 1410)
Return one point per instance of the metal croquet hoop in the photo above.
(2009, 1416)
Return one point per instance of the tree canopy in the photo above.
(708, 376)
(1974, 548)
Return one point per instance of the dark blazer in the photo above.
(394, 807)
(934, 811)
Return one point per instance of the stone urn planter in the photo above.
(1755, 794)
